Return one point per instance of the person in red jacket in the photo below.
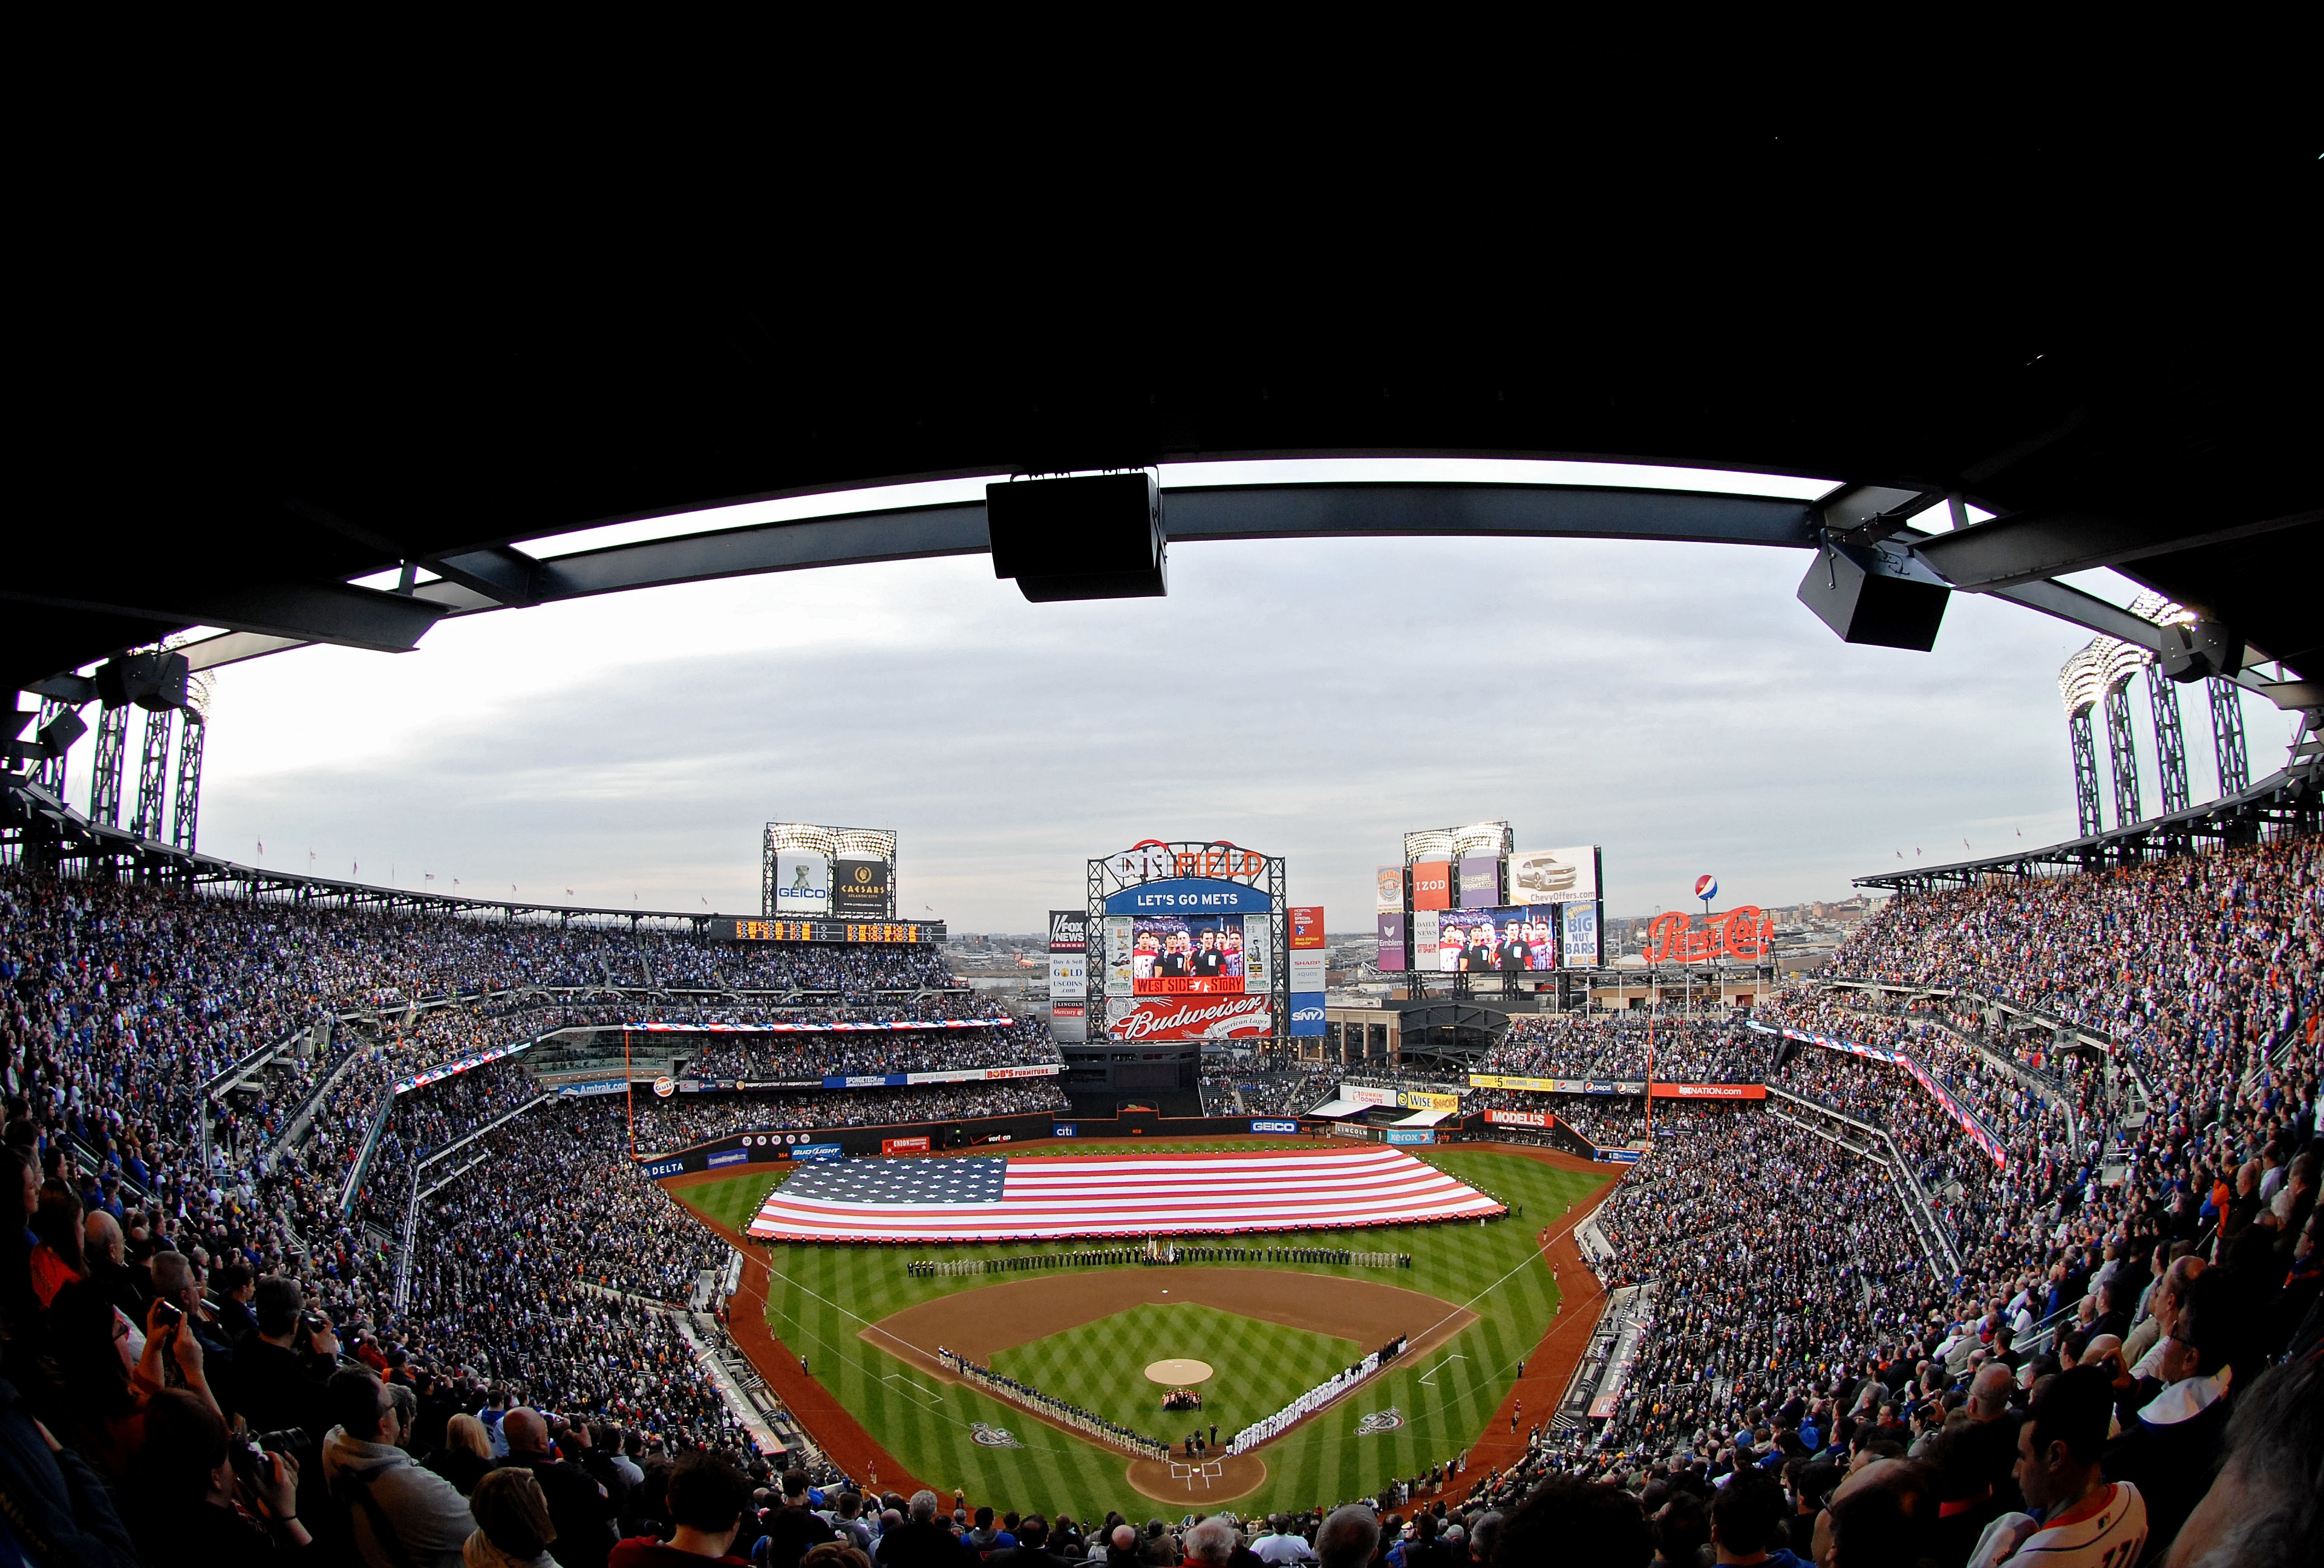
(708, 1496)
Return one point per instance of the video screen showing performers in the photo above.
(1519, 937)
(1188, 954)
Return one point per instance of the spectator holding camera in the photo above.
(284, 1365)
(400, 1515)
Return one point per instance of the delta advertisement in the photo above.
(1496, 941)
(1392, 935)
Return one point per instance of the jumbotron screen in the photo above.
(1512, 939)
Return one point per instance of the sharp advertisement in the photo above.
(1554, 876)
(1511, 940)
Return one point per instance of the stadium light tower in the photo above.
(2080, 684)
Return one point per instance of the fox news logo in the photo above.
(1068, 931)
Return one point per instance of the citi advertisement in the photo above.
(1188, 896)
(802, 883)
(1190, 1018)
(1391, 942)
(1306, 1014)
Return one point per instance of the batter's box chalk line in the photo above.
(1430, 1378)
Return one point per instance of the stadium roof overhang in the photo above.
(444, 435)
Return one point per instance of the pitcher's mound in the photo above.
(1178, 1372)
(1196, 1481)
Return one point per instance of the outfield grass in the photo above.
(1260, 1367)
(820, 1296)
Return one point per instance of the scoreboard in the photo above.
(892, 932)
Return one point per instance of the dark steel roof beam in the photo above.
(336, 613)
(2044, 543)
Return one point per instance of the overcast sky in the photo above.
(1315, 699)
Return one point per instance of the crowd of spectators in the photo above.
(779, 1057)
(1686, 1048)
(682, 1121)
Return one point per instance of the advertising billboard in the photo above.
(1554, 876)
(1521, 1118)
(1365, 1094)
(1391, 942)
(1582, 936)
(1306, 1015)
(1708, 1090)
(1407, 1135)
(1516, 939)
(1189, 1018)
(1481, 881)
(802, 883)
(1068, 930)
(860, 886)
(1306, 925)
(1423, 939)
(1390, 892)
(1307, 972)
(1432, 884)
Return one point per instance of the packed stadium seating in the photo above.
(2130, 1057)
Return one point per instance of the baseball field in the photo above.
(1476, 1298)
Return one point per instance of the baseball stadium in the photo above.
(739, 1203)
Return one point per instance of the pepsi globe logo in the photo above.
(1706, 887)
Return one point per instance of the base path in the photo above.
(1549, 1366)
(826, 1420)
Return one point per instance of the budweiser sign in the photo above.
(1189, 1018)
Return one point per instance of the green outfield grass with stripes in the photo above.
(819, 1296)
(1260, 1367)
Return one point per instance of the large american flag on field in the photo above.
(980, 1199)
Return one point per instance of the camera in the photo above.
(249, 1454)
(312, 1322)
(169, 1314)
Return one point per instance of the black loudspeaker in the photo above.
(1886, 598)
(1095, 536)
(154, 680)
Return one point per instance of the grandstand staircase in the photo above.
(1875, 1144)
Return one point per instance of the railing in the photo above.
(412, 1205)
(1920, 1213)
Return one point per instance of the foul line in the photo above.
(1430, 1377)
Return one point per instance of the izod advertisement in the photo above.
(1432, 884)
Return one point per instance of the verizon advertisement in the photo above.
(1190, 1018)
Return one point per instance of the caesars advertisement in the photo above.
(1189, 957)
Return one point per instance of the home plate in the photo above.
(1178, 1372)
